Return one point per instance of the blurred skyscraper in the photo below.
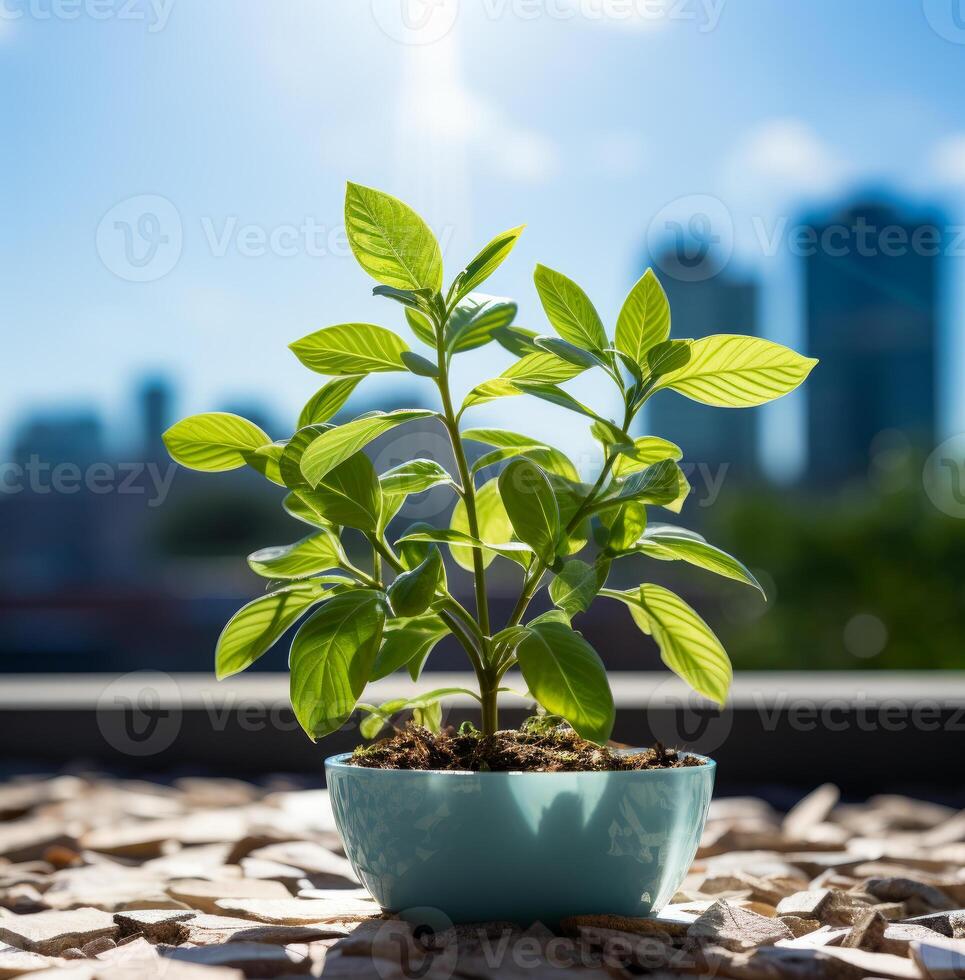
(69, 437)
(871, 307)
(705, 300)
(156, 400)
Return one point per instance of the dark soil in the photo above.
(556, 750)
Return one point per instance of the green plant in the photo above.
(537, 513)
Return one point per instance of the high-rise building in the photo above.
(705, 301)
(155, 399)
(70, 437)
(871, 308)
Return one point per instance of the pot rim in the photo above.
(338, 762)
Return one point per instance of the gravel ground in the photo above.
(211, 878)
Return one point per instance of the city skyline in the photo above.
(706, 295)
(200, 244)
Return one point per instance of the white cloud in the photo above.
(442, 112)
(947, 160)
(786, 156)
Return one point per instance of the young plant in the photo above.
(537, 513)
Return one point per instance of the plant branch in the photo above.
(531, 583)
(462, 625)
(468, 490)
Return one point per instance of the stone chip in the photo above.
(49, 933)
(737, 929)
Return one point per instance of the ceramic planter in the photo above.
(520, 846)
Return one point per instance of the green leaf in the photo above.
(348, 495)
(301, 509)
(391, 505)
(687, 644)
(669, 356)
(421, 326)
(499, 455)
(667, 543)
(326, 402)
(569, 352)
(506, 641)
(570, 494)
(644, 319)
(473, 322)
(625, 525)
(569, 310)
(550, 459)
(408, 645)
(255, 628)
(540, 367)
(332, 657)
(517, 340)
(733, 371)
(611, 438)
(577, 585)
(646, 451)
(316, 553)
(485, 263)
(557, 396)
(214, 441)
(426, 710)
(494, 525)
(657, 484)
(412, 592)
(372, 725)
(411, 552)
(414, 476)
(336, 445)
(419, 365)
(565, 674)
(290, 463)
(351, 348)
(531, 506)
(460, 541)
(265, 460)
(489, 391)
(428, 716)
(390, 241)
(414, 299)
(628, 362)
(550, 616)
(683, 491)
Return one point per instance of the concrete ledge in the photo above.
(630, 689)
(879, 731)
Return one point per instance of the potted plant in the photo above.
(459, 820)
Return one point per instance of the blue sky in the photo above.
(586, 119)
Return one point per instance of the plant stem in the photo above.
(468, 489)
(453, 615)
(488, 681)
(376, 564)
(531, 584)
(490, 709)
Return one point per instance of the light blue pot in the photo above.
(520, 846)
